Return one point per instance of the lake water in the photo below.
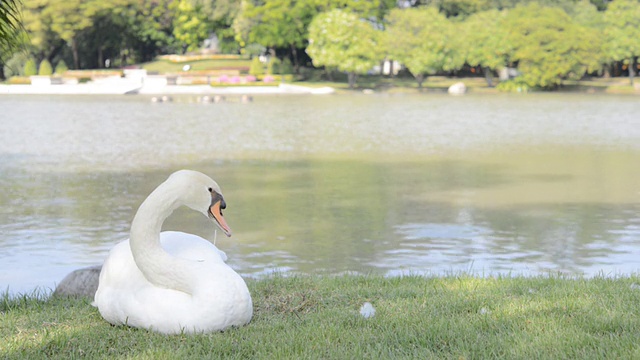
(391, 184)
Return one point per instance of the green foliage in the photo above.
(254, 49)
(277, 66)
(341, 40)
(9, 25)
(424, 41)
(30, 68)
(285, 23)
(550, 41)
(190, 25)
(285, 67)
(484, 40)
(271, 65)
(45, 68)
(623, 30)
(61, 68)
(463, 7)
(276, 23)
(514, 85)
(257, 67)
(548, 46)
(15, 65)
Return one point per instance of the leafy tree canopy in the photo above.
(548, 46)
(423, 40)
(623, 30)
(342, 40)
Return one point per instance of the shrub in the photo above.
(285, 67)
(272, 65)
(15, 65)
(514, 85)
(257, 68)
(30, 67)
(19, 80)
(61, 67)
(45, 68)
(254, 49)
(281, 67)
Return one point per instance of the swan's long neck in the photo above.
(158, 266)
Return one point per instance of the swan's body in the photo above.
(173, 282)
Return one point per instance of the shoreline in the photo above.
(137, 89)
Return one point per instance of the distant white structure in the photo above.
(389, 66)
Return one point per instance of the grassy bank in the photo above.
(318, 318)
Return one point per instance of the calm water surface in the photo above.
(427, 184)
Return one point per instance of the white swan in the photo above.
(173, 282)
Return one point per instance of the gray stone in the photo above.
(80, 283)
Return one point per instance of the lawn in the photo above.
(163, 66)
(317, 317)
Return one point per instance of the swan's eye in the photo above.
(210, 190)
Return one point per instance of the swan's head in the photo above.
(202, 194)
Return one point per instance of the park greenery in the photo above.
(318, 317)
(542, 43)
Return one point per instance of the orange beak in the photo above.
(216, 213)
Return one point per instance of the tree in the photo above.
(30, 67)
(623, 33)
(586, 14)
(222, 13)
(190, 25)
(276, 24)
(484, 42)
(147, 29)
(257, 68)
(548, 46)
(424, 41)
(9, 25)
(45, 68)
(340, 39)
(36, 18)
(68, 18)
(61, 68)
(285, 23)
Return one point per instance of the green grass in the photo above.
(165, 66)
(317, 318)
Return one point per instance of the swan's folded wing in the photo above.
(191, 247)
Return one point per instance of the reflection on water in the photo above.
(422, 184)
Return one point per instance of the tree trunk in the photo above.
(487, 76)
(352, 80)
(606, 71)
(74, 50)
(420, 79)
(632, 68)
(100, 58)
(296, 64)
(329, 73)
